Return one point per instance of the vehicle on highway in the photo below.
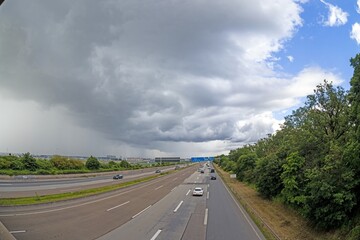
(177, 167)
(118, 176)
(202, 171)
(213, 178)
(198, 191)
(212, 170)
(158, 171)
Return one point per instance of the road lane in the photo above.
(227, 219)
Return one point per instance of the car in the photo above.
(177, 167)
(212, 170)
(201, 171)
(213, 178)
(118, 176)
(158, 171)
(198, 191)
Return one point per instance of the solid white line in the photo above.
(159, 187)
(173, 189)
(188, 192)
(206, 216)
(207, 196)
(178, 206)
(156, 234)
(208, 185)
(20, 231)
(141, 212)
(117, 206)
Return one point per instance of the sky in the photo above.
(158, 78)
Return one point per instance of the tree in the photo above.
(29, 162)
(245, 166)
(268, 171)
(125, 164)
(293, 180)
(92, 163)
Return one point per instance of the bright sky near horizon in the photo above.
(185, 78)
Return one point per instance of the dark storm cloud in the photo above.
(148, 71)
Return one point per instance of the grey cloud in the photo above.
(141, 72)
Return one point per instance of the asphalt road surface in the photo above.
(163, 208)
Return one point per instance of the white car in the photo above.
(198, 191)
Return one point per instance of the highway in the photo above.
(25, 186)
(163, 208)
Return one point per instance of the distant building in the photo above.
(168, 160)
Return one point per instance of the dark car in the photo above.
(158, 171)
(213, 178)
(118, 176)
(212, 170)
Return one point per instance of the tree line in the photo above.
(27, 164)
(313, 162)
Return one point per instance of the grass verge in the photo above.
(38, 199)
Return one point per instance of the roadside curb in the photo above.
(5, 234)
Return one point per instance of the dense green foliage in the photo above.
(27, 164)
(313, 162)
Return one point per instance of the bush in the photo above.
(92, 163)
(268, 180)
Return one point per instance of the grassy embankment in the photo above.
(275, 219)
(72, 195)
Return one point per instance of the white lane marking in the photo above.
(173, 189)
(197, 178)
(156, 234)
(206, 216)
(207, 196)
(178, 206)
(236, 202)
(117, 206)
(5, 184)
(141, 212)
(19, 231)
(195, 182)
(159, 187)
(174, 179)
(208, 185)
(188, 192)
(79, 205)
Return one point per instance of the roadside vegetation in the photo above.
(312, 164)
(28, 165)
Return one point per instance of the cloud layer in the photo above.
(158, 77)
